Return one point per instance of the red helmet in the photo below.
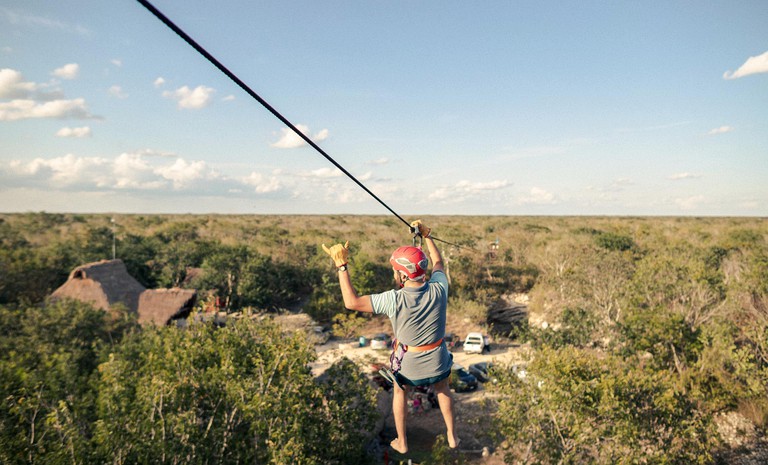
(410, 260)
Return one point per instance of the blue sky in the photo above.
(468, 108)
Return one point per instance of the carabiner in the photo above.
(416, 233)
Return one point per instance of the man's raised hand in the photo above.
(339, 253)
(424, 231)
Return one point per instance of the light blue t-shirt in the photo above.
(418, 318)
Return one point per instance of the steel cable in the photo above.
(202, 51)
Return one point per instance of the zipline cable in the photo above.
(258, 98)
(202, 51)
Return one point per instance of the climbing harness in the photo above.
(424, 348)
(396, 358)
(399, 349)
(395, 363)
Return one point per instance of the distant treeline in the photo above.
(655, 328)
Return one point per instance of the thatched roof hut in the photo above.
(107, 283)
(161, 306)
(102, 284)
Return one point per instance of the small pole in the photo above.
(114, 250)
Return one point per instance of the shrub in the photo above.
(728, 372)
(577, 328)
(574, 406)
(614, 242)
(239, 394)
(347, 324)
(666, 336)
(48, 360)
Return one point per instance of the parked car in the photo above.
(461, 380)
(381, 341)
(476, 343)
(451, 341)
(481, 371)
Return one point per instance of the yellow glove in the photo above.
(339, 253)
(424, 231)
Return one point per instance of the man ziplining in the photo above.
(417, 311)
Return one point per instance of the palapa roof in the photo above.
(102, 284)
(160, 306)
(107, 283)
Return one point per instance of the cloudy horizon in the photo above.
(567, 118)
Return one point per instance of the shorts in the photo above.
(422, 382)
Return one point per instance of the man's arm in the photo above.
(340, 254)
(434, 255)
(351, 300)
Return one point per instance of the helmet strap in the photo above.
(402, 278)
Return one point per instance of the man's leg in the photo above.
(445, 400)
(399, 411)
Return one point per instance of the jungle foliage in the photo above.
(654, 327)
(79, 387)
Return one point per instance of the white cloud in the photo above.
(31, 100)
(322, 173)
(689, 203)
(379, 161)
(468, 186)
(720, 130)
(261, 184)
(442, 193)
(199, 97)
(159, 82)
(13, 85)
(132, 171)
(750, 204)
(686, 175)
(64, 171)
(157, 153)
(464, 189)
(117, 62)
(290, 140)
(228, 98)
(753, 65)
(621, 183)
(29, 109)
(538, 196)
(146, 171)
(344, 194)
(84, 131)
(39, 21)
(182, 173)
(68, 71)
(117, 91)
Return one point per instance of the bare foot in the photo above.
(395, 444)
(453, 442)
